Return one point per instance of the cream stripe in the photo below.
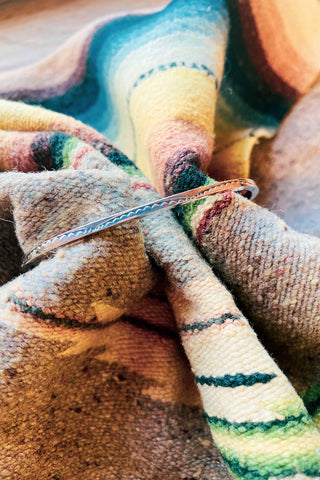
(301, 444)
(258, 403)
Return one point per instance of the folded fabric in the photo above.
(97, 365)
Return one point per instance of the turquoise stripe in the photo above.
(91, 100)
(237, 380)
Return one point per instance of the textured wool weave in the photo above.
(95, 378)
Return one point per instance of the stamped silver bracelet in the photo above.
(246, 187)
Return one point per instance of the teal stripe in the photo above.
(38, 313)
(57, 144)
(246, 473)
(213, 321)
(311, 399)
(91, 100)
(255, 427)
(237, 380)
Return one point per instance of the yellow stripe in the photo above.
(20, 117)
(178, 93)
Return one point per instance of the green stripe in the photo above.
(132, 170)
(184, 213)
(237, 380)
(213, 321)
(272, 426)
(263, 467)
(70, 144)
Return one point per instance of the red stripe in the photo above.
(213, 211)
(143, 186)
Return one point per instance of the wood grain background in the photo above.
(32, 29)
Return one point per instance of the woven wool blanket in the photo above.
(184, 345)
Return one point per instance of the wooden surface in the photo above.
(32, 29)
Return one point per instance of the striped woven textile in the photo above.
(123, 353)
